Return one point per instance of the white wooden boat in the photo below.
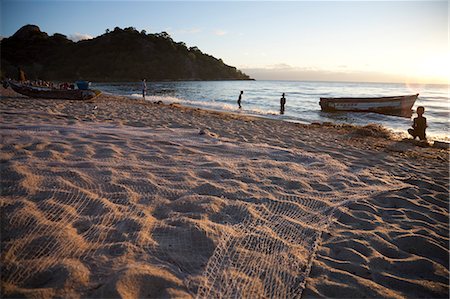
(397, 105)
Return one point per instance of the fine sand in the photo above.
(125, 198)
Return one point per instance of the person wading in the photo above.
(239, 99)
(282, 103)
(144, 88)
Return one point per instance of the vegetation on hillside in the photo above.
(118, 55)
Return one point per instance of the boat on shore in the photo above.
(396, 105)
(51, 93)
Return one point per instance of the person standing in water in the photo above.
(144, 88)
(419, 125)
(282, 103)
(239, 99)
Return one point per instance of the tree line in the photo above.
(117, 55)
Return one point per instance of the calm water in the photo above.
(262, 98)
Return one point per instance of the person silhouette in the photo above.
(21, 76)
(419, 125)
(144, 88)
(282, 103)
(239, 99)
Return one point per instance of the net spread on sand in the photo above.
(231, 220)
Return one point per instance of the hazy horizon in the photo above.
(399, 42)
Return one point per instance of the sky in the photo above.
(369, 41)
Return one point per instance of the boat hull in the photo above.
(398, 105)
(47, 93)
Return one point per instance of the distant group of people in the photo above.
(66, 85)
(47, 84)
(282, 101)
(41, 83)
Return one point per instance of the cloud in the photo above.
(220, 32)
(279, 66)
(79, 36)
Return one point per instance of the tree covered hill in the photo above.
(118, 55)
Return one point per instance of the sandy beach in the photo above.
(118, 197)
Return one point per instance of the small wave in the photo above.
(154, 98)
(206, 105)
(261, 112)
(438, 137)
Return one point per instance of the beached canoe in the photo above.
(48, 93)
(397, 105)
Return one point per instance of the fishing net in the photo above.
(231, 220)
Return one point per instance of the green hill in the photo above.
(118, 55)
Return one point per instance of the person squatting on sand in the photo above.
(239, 99)
(282, 103)
(419, 125)
(144, 88)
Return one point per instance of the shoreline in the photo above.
(397, 125)
(122, 197)
(396, 134)
(252, 117)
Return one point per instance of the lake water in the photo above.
(262, 98)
